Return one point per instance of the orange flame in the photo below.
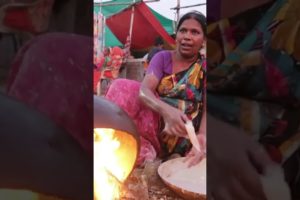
(111, 164)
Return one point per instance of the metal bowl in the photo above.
(108, 115)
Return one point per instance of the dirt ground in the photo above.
(145, 183)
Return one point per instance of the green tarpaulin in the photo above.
(109, 10)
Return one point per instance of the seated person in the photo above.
(158, 46)
(170, 95)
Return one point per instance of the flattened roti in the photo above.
(175, 172)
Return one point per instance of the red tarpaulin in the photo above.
(145, 27)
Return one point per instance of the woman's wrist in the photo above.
(164, 110)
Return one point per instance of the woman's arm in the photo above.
(174, 118)
(147, 94)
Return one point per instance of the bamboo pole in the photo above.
(131, 23)
(102, 28)
(177, 8)
(103, 31)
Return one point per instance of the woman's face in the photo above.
(189, 38)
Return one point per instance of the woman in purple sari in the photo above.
(171, 93)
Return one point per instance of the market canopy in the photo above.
(147, 24)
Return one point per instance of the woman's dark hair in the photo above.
(198, 16)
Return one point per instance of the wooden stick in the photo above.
(177, 8)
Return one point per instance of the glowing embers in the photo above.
(115, 153)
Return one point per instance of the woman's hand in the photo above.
(174, 121)
(194, 156)
(235, 163)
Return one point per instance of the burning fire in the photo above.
(112, 163)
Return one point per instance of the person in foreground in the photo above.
(46, 117)
(171, 93)
(252, 105)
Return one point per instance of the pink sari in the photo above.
(145, 119)
(52, 74)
